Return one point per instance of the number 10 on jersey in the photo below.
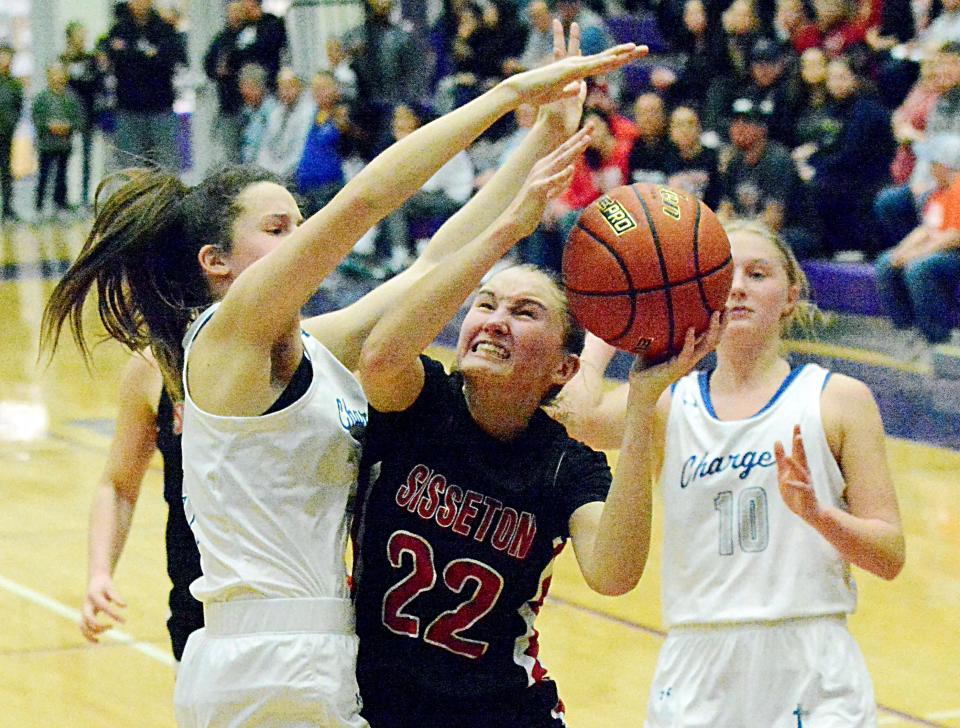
(751, 522)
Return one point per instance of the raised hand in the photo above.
(648, 382)
(560, 79)
(101, 598)
(796, 483)
(547, 179)
(564, 114)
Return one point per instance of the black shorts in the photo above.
(183, 567)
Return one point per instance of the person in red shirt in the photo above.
(917, 280)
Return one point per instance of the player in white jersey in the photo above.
(271, 408)
(758, 537)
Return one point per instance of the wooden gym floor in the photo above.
(55, 426)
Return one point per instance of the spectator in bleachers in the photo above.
(441, 196)
(105, 100)
(390, 69)
(262, 40)
(600, 96)
(222, 66)
(690, 166)
(81, 65)
(759, 181)
(258, 106)
(593, 31)
(603, 166)
(144, 53)
(11, 104)
(792, 21)
(282, 145)
(897, 208)
(814, 125)
(319, 171)
(898, 67)
(57, 115)
(850, 171)
(338, 63)
(917, 280)
(538, 48)
(648, 157)
(942, 29)
(741, 27)
(837, 27)
(702, 58)
(910, 118)
(773, 84)
(485, 39)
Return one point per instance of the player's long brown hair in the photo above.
(141, 257)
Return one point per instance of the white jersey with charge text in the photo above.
(732, 550)
(267, 499)
(756, 599)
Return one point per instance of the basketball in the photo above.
(643, 264)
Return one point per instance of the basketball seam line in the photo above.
(696, 260)
(664, 273)
(626, 274)
(653, 289)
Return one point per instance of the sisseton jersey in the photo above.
(267, 497)
(456, 545)
(733, 551)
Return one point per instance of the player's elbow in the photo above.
(614, 584)
(892, 566)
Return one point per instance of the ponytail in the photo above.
(141, 256)
(143, 267)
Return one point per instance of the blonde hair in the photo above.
(805, 317)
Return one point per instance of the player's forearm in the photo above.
(622, 544)
(110, 517)
(870, 543)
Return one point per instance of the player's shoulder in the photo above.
(845, 388)
(846, 400)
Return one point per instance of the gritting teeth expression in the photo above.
(491, 349)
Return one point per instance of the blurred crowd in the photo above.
(836, 122)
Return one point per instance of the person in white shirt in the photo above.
(441, 196)
(287, 126)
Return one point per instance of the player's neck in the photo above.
(744, 365)
(500, 413)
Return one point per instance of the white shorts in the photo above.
(287, 663)
(800, 673)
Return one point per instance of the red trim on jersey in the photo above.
(539, 672)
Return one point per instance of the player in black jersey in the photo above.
(477, 489)
(146, 419)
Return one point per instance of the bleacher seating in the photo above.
(850, 288)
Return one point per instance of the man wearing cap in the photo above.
(773, 83)
(760, 180)
(917, 280)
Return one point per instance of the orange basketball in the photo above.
(643, 264)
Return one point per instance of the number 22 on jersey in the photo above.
(458, 576)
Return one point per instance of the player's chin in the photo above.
(473, 363)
